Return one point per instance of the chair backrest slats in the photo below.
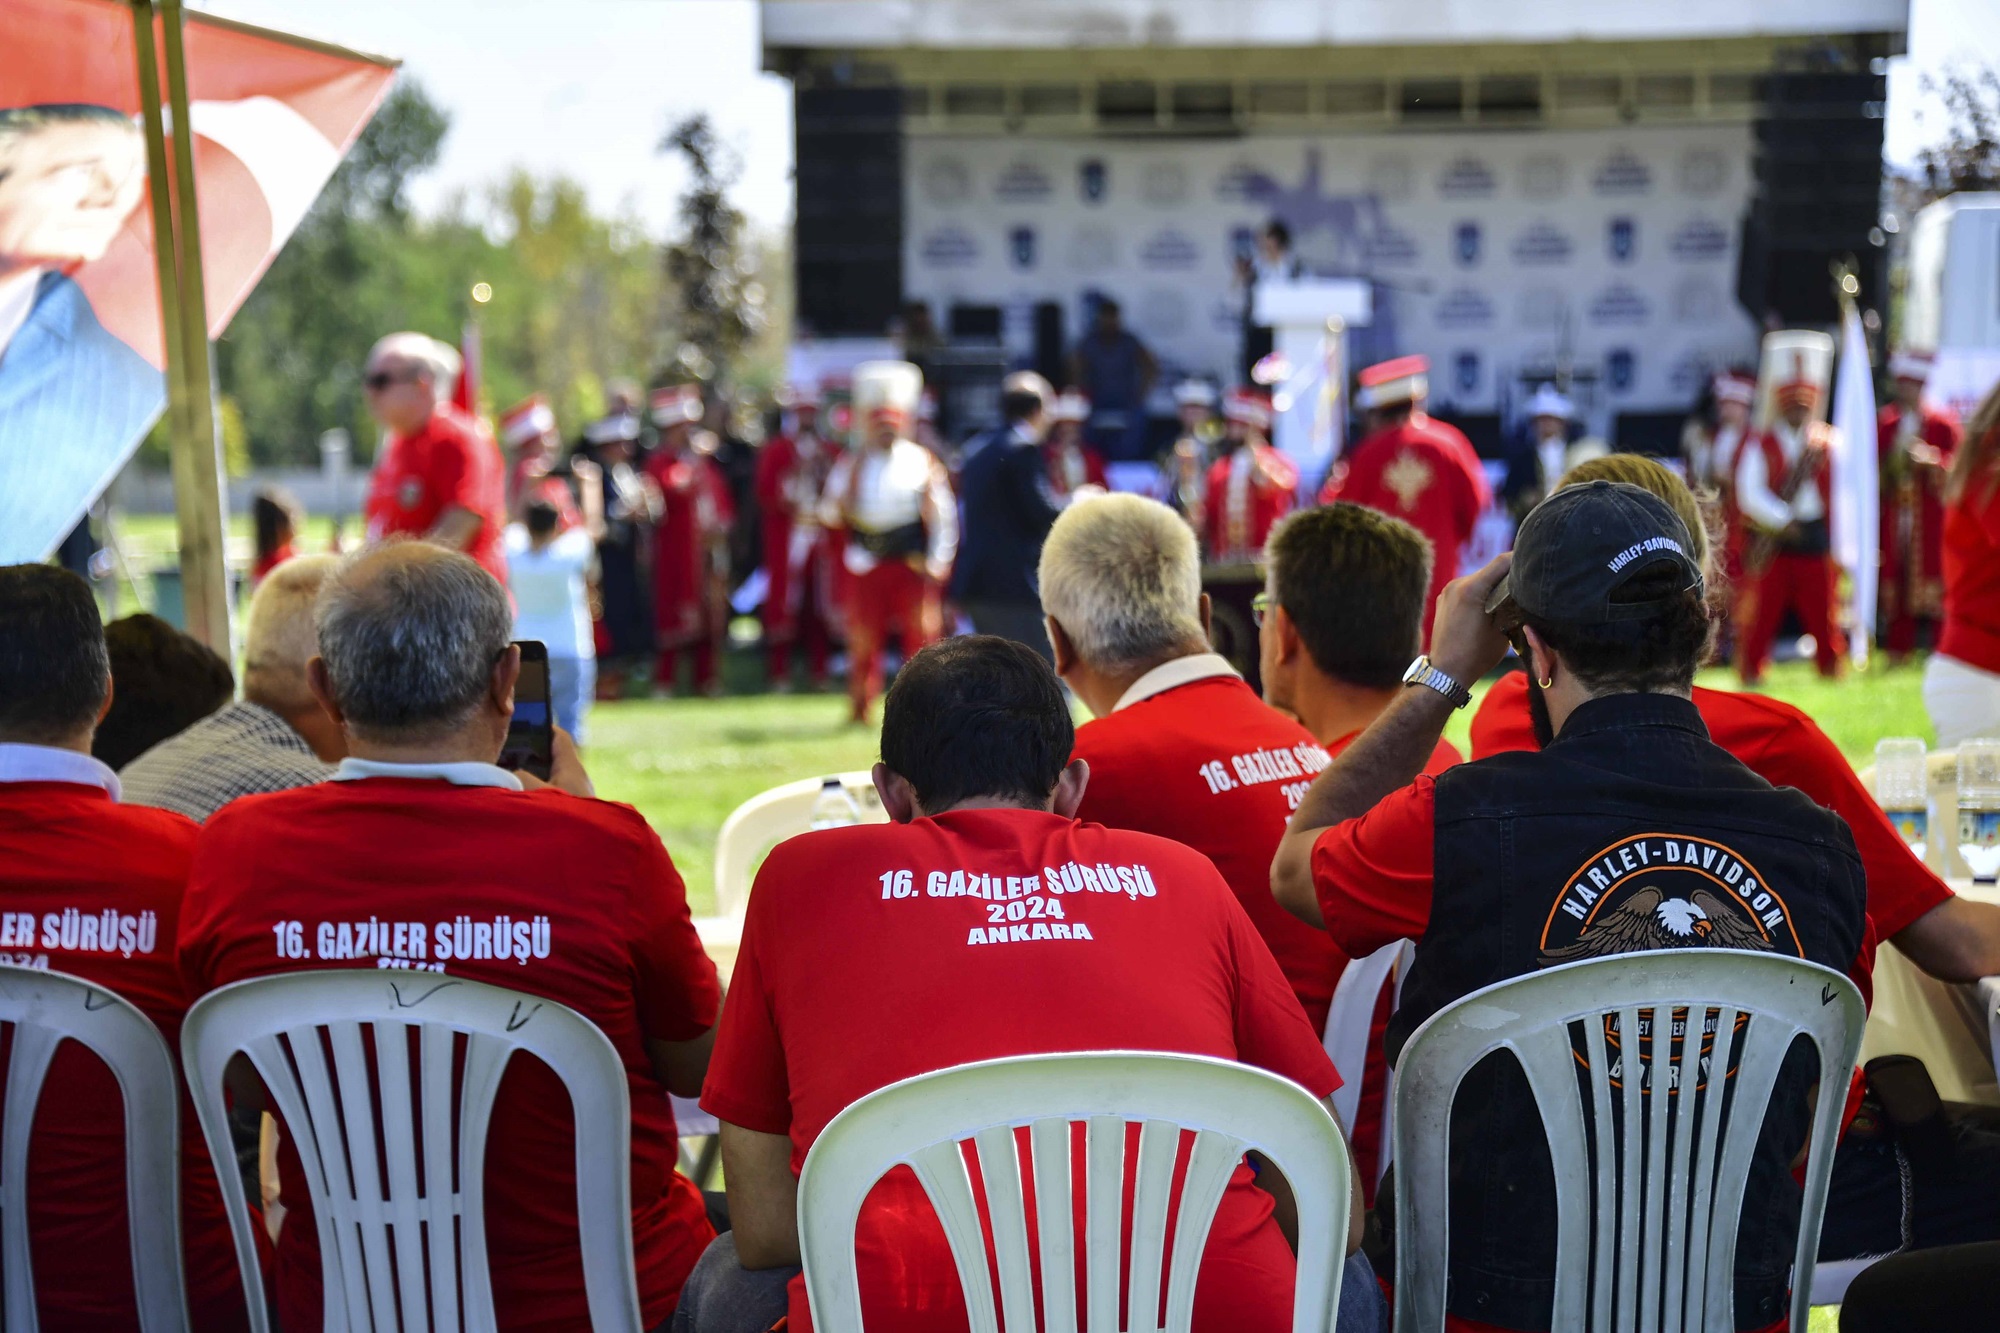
(940, 1169)
(395, 1165)
(1055, 1232)
(1213, 1161)
(1104, 1221)
(1646, 1233)
(44, 1009)
(1006, 1210)
(927, 1122)
(27, 1067)
(436, 1051)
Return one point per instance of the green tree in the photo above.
(291, 360)
(715, 303)
(1968, 157)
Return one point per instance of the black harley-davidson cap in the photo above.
(1577, 548)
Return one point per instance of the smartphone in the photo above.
(531, 732)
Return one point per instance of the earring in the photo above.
(1545, 681)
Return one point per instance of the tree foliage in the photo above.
(716, 301)
(1968, 157)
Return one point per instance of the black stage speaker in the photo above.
(1817, 165)
(848, 239)
(1051, 349)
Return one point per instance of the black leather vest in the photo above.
(1633, 831)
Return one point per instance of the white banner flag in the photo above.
(1857, 506)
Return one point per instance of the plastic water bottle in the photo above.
(1979, 808)
(1903, 791)
(833, 807)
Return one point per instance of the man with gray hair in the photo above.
(276, 736)
(438, 475)
(423, 855)
(1181, 746)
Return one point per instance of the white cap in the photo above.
(1194, 393)
(1547, 402)
(1072, 406)
(894, 385)
(1909, 364)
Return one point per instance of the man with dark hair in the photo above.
(1340, 618)
(1009, 505)
(91, 888)
(1052, 934)
(459, 867)
(1116, 372)
(166, 682)
(1632, 831)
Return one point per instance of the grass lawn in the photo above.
(686, 763)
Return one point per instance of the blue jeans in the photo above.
(572, 687)
(722, 1296)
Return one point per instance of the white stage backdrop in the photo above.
(1610, 251)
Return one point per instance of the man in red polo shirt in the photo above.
(91, 888)
(439, 475)
(1502, 867)
(1181, 747)
(1121, 941)
(1339, 620)
(449, 864)
(1413, 467)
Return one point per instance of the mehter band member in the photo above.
(1916, 441)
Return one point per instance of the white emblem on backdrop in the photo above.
(949, 247)
(1703, 172)
(1023, 183)
(1544, 176)
(1167, 250)
(1542, 244)
(1466, 177)
(1464, 308)
(1233, 184)
(1092, 249)
(1619, 306)
(1698, 239)
(946, 181)
(1622, 173)
(1163, 183)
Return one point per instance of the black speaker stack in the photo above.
(848, 237)
(1817, 201)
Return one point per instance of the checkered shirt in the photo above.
(240, 750)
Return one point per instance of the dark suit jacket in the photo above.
(1009, 506)
(74, 403)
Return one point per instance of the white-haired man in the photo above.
(276, 736)
(458, 867)
(893, 498)
(1181, 747)
(439, 476)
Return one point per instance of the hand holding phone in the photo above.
(530, 746)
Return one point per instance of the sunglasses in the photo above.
(379, 380)
(1260, 607)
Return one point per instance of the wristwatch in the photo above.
(1421, 672)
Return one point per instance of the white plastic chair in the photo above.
(756, 826)
(45, 1009)
(1682, 1266)
(921, 1123)
(387, 1217)
(1348, 1020)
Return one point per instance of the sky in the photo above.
(591, 95)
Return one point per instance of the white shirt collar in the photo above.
(1172, 675)
(47, 763)
(462, 774)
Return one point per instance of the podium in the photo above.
(1307, 318)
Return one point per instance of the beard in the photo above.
(1538, 713)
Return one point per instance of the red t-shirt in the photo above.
(597, 919)
(1972, 574)
(451, 462)
(93, 889)
(841, 988)
(1787, 749)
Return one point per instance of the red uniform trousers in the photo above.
(890, 594)
(1802, 583)
(794, 609)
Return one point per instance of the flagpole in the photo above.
(1857, 495)
(195, 449)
